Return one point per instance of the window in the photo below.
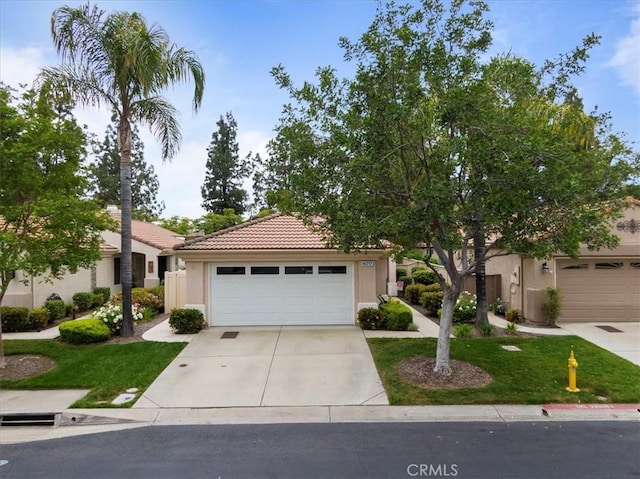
(229, 270)
(577, 266)
(635, 265)
(298, 270)
(332, 270)
(265, 270)
(116, 270)
(608, 265)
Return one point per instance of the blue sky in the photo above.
(238, 42)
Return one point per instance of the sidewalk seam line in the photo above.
(275, 348)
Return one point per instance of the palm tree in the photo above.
(118, 61)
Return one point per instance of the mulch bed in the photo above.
(418, 370)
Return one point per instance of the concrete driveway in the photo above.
(269, 366)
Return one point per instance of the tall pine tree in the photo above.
(225, 170)
(104, 175)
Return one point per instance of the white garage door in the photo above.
(599, 290)
(281, 294)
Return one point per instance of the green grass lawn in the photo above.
(536, 375)
(106, 369)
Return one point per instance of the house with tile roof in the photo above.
(153, 255)
(278, 271)
(599, 285)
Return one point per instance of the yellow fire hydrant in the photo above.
(573, 365)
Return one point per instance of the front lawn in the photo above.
(106, 369)
(536, 375)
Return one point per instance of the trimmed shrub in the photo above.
(70, 309)
(158, 292)
(400, 272)
(186, 321)
(15, 319)
(39, 318)
(424, 276)
(551, 305)
(145, 297)
(57, 309)
(371, 318)
(465, 308)
(413, 292)
(431, 301)
(398, 316)
(433, 287)
(512, 315)
(84, 301)
(84, 331)
(104, 292)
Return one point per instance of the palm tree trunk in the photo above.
(126, 275)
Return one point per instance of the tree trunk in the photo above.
(481, 279)
(126, 274)
(444, 333)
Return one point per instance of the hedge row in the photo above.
(393, 316)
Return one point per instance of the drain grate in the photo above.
(230, 334)
(610, 329)
(48, 419)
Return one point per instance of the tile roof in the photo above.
(275, 232)
(150, 234)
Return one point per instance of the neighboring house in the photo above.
(153, 255)
(276, 271)
(600, 285)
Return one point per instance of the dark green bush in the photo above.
(431, 301)
(84, 301)
(84, 331)
(39, 318)
(15, 319)
(104, 292)
(371, 318)
(398, 316)
(57, 309)
(424, 276)
(186, 321)
(413, 292)
(407, 280)
(70, 310)
(400, 272)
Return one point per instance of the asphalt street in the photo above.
(542, 450)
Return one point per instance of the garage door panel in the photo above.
(606, 290)
(284, 298)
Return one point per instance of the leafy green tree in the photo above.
(211, 222)
(119, 61)
(431, 144)
(104, 175)
(46, 227)
(177, 224)
(225, 171)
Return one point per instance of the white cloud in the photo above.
(626, 59)
(21, 65)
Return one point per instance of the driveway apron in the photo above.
(269, 366)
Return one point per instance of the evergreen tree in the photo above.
(104, 175)
(225, 171)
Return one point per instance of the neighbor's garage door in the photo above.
(281, 294)
(599, 290)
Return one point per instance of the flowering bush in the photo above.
(111, 315)
(465, 308)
